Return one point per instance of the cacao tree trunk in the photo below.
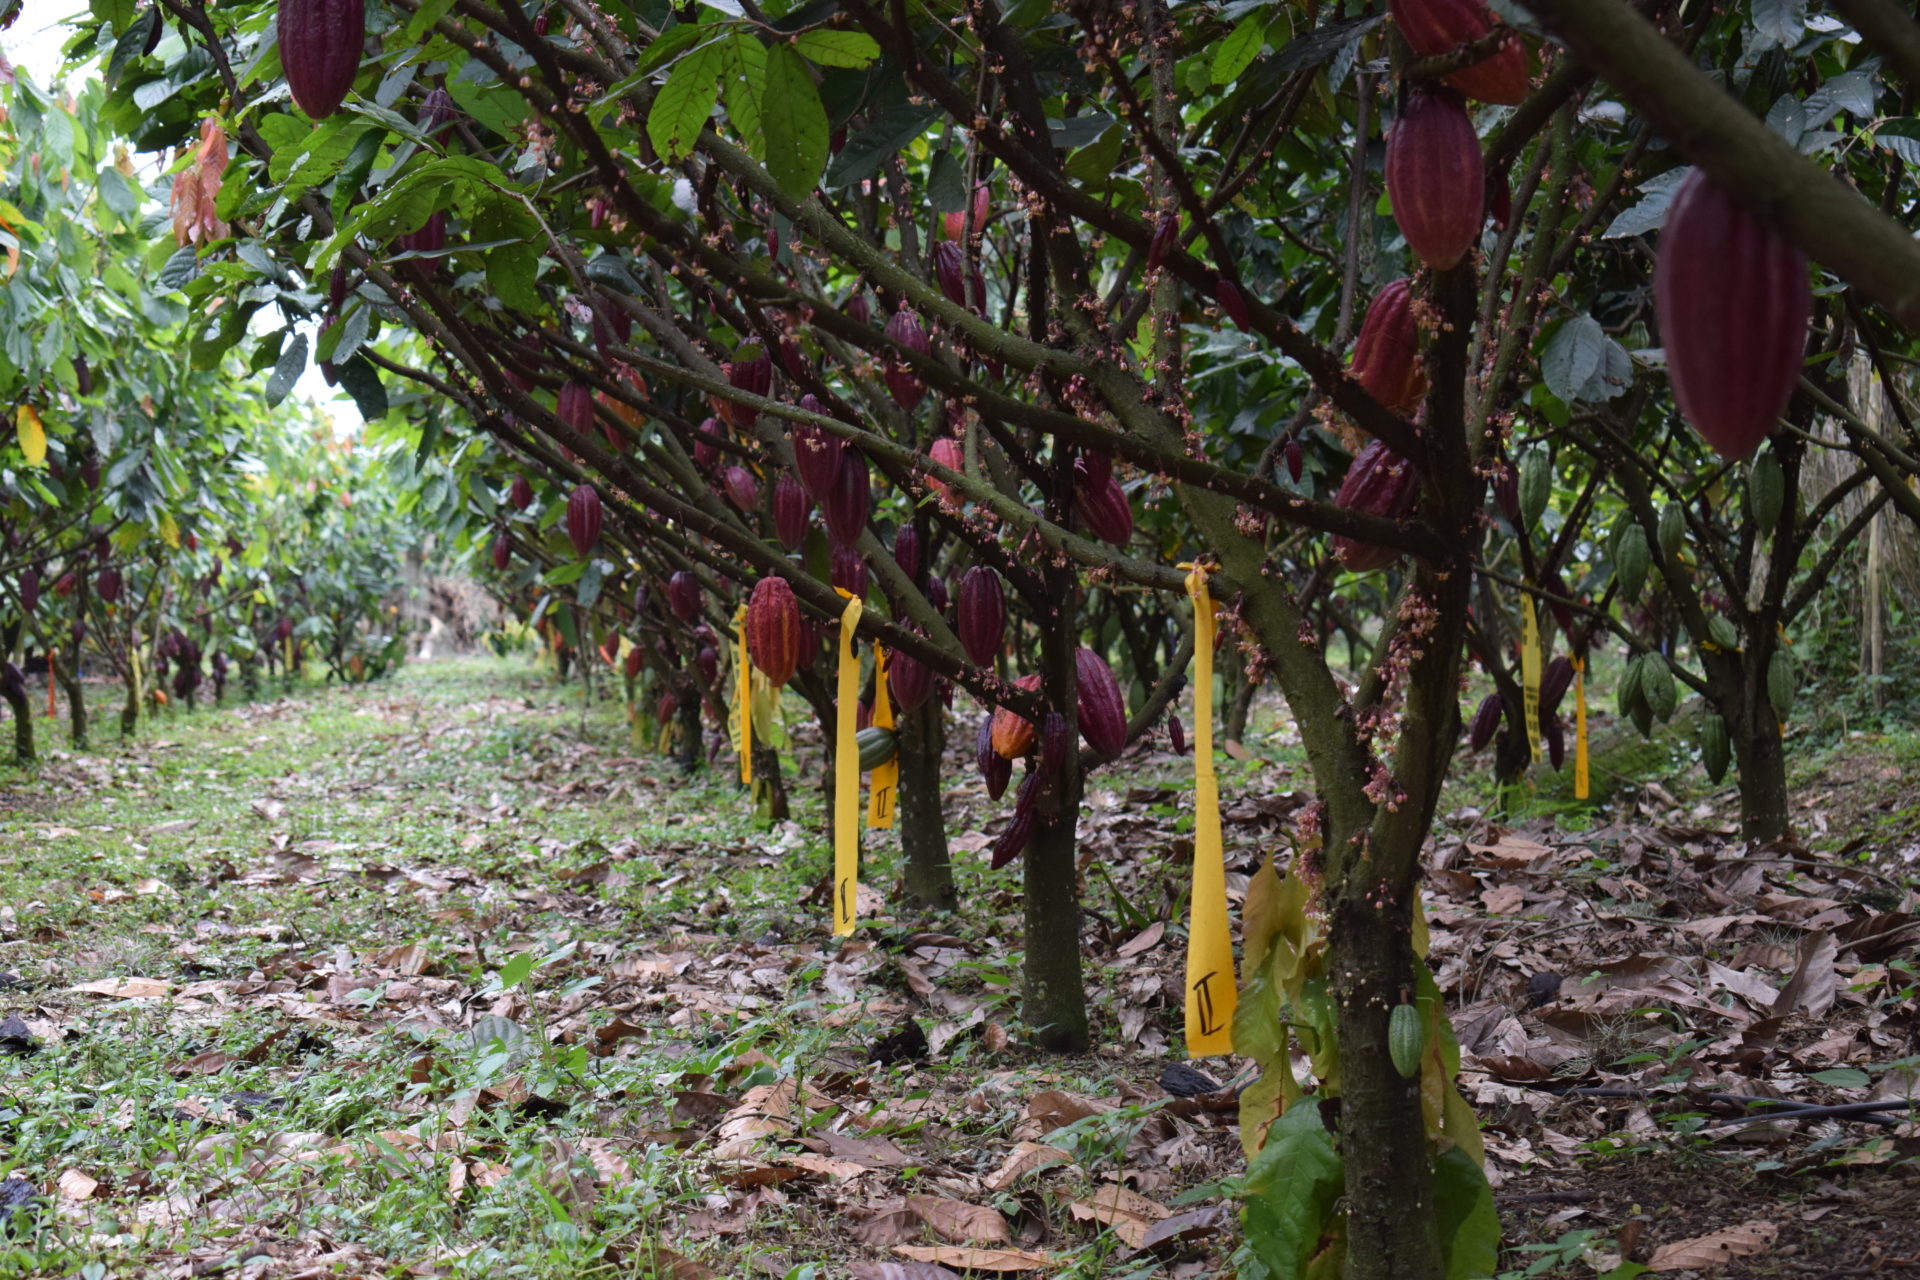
(21, 704)
(68, 676)
(1053, 989)
(925, 863)
(766, 772)
(687, 707)
(1761, 761)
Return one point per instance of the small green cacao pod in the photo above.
(1782, 672)
(1720, 631)
(1766, 491)
(1672, 530)
(1629, 689)
(876, 747)
(1406, 1039)
(1657, 687)
(1642, 717)
(1631, 560)
(1536, 484)
(1715, 751)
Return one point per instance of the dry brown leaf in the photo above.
(75, 1185)
(1814, 983)
(1025, 1159)
(1056, 1108)
(1715, 1249)
(886, 1225)
(1147, 939)
(899, 1271)
(409, 958)
(976, 1259)
(125, 988)
(960, 1222)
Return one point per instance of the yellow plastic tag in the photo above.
(846, 778)
(883, 788)
(1530, 673)
(1580, 783)
(1211, 989)
(743, 694)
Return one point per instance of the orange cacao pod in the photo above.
(1013, 735)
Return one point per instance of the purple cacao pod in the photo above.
(790, 510)
(320, 46)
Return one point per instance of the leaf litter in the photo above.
(272, 1031)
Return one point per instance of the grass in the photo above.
(332, 890)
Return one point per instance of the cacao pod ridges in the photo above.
(774, 623)
(1733, 303)
(1435, 177)
(320, 46)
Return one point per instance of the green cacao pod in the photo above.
(1715, 751)
(876, 747)
(1406, 1039)
(1629, 690)
(1631, 560)
(1782, 673)
(1672, 530)
(1536, 484)
(1766, 492)
(1657, 687)
(1720, 631)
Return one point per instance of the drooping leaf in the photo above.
(795, 123)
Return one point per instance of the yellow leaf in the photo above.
(33, 436)
(169, 532)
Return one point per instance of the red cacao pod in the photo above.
(437, 114)
(951, 454)
(1017, 834)
(1053, 746)
(1554, 683)
(663, 708)
(502, 552)
(1105, 511)
(816, 454)
(583, 518)
(848, 571)
(1556, 739)
(908, 553)
(1379, 483)
(708, 660)
(790, 510)
(683, 595)
(1092, 469)
(1102, 713)
(337, 287)
(954, 225)
(937, 593)
(320, 47)
(65, 584)
(742, 490)
(902, 383)
(1733, 303)
(1295, 456)
(1386, 357)
(848, 503)
(107, 585)
(574, 406)
(750, 370)
(858, 309)
(1013, 734)
(520, 493)
(909, 681)
(1176, 734)
(1486, 720)
(995, 769)
(636, 658)
(774, 630)
(1435, 177)
(1165, 234)
(982, 619)
(1434, 27)
(431, 238)
(706, 445)
(950, 271)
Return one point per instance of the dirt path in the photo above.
(421, 976)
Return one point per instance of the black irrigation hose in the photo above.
(1772, 1108)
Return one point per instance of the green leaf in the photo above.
(423, 19)
(796, 124)
(854, 49)
(361, 381)
(946, 185)
(743, 83)
(353, 173)
(1291, 1188)
(671, 44)
(119, 192)
(878, 143)
(1463, 1208)
(1094, 164)
(1242, 45)
(1844, 1077)
(287, 370)
(684, 103)
(515, 971)
(1572, 356)
(510, 276)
